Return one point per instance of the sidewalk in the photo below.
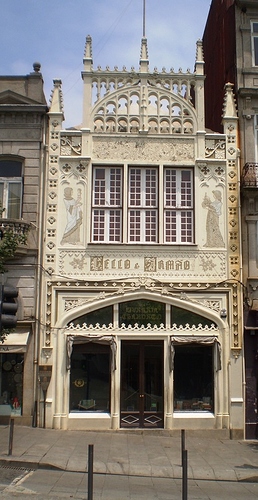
(131, 453)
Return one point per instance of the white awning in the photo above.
(14, 342)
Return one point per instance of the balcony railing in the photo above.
(16, 226)
(250, 176)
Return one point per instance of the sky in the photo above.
(53, 32)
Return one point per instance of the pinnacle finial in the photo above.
(56, 100)
(199, 51)
(144, 62)
(87, 59)
(88, 48)
(199, 60)
(229, 107)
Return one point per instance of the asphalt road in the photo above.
(44, 484)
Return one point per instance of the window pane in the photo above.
(178, 194)
(107, 193)
(103, 316)
(193, 378)
(98, 225)
(10, 168)
(115, 186)
(90, 378)
(151, 226)
(135, 187)
(256, 51)
(151, 188)
(115, 225)
(170, 188)
(255, 27)
(170, 226)
(183, 317)
(186, 227)
(14, 200)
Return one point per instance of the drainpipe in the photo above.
(39, 267)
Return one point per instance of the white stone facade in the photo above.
(142, 218)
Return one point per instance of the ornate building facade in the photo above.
(231, 54)
(141, 302)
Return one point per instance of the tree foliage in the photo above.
(8, 245)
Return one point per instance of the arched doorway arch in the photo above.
(140, 327)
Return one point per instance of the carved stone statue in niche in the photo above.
(213, 235)
(74, 216)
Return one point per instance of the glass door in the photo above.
(142, 384)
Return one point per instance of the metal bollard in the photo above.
(90, 472)
(184, 476)
(10, 448)
(182, 444)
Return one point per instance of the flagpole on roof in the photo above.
(144, 12)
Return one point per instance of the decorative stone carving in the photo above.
(143, 149)
(71, 145)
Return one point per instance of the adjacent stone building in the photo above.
(231, 54)
(141, 306)
(23, 133)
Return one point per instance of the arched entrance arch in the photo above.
(120, 361)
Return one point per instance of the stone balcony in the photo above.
(16, 226)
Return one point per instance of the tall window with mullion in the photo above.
(143, 205)
(10, 188)
(254, 26)
(178, 209)
(107, 204)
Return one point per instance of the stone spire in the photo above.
(56, 99)
(199, 60)
(87, 59)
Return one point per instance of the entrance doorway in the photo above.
(142, 369)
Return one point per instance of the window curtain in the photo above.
(195, 340)
(82, 339)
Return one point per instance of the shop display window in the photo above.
(193, 378)
(90, 378)
(11, 383)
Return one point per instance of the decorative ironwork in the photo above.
(250, 175)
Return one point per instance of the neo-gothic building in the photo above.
(141, 303)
